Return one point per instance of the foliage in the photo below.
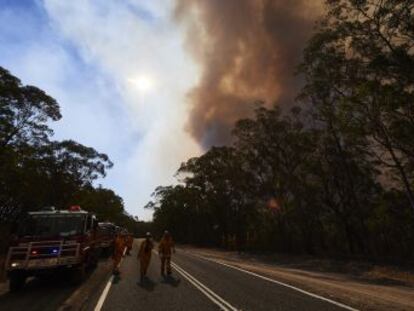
(334, 177)
(36, 171)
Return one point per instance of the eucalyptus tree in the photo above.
(358, 68)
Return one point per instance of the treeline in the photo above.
(333, 176)
(36, 171)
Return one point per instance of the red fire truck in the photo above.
(106, 233)
(51, 240)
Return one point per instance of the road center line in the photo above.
(219, 301)
(279, 283)
(224, 305)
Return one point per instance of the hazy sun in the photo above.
(142, 83)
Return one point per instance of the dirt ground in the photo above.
(360, 285)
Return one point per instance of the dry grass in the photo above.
(359, 270)
(366, 286)
(390, 275)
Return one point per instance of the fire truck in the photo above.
(50, 240)
(106, 233)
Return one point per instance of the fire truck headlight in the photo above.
(14, 264)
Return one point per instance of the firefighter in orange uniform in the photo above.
(129, 241)
(144, 255)
(165, 249)
(119, 247)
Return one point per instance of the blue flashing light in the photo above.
(54, 251)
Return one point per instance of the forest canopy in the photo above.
(37, 171)
(334, 175)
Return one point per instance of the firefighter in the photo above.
(144, 255)
(129, 242)
(119, 247)
(165, 249)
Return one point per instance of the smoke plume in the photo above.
(247, 51)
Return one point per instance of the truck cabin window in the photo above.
(52, 225)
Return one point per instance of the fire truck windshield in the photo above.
(53, 225)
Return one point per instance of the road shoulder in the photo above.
(340, 287)
(85, 297)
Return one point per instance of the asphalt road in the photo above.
(54, 292)
(37, 295)
(201, 284)
(197, 284)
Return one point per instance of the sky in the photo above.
(120, 74)
(153, 83)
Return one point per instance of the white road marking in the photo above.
(104, 294)
(279, 283)
(224, 305)
(106, 289)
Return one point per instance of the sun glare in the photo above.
(142, 83)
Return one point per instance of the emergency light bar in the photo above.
(74, 208)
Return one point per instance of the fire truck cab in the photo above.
(51, 240)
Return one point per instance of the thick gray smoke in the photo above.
(248, 51)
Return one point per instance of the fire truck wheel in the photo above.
(78, 274)
(17, 281)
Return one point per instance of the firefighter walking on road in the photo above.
(129, 242)
(119, 247)
(165, 249)
(144, 255)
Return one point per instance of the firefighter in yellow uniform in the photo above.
(119, 246)
(165, 249)
(144, 255)
(129, 241)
